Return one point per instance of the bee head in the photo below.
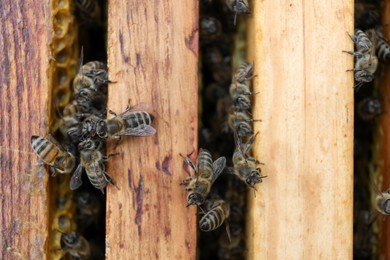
(194, 199)
(254, 178)
(69, 239)
(241, 7)
(101, 128)
(386, 206)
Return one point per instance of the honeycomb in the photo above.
(63, 66)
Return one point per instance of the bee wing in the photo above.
(218, 166)
(80, 60)
(144, 130)
(238, 143)
(75, 181)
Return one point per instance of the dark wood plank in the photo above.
(24, 58)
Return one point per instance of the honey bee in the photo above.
(243, 73)
(246, 167)
(88, 209)
(96, 99)
(70, 128)
(206, 172)
(75, 245)
(240, 94)
(382, 202)
(241, 122)
(239, 7)
(366, 62)
(78, 107)
(92, 75)
(210, 28)
(92, 160)
(131, 122)
(369, 108)
(88, 11)
(217, 212)
(60, 161)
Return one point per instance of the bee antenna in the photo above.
(376, 187)
(372, 218)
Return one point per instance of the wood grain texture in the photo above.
(153, 57)
(24, 58)
(384, 143)
(303, 210)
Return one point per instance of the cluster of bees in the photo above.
(78, 139)
(372, 54)
(226, 130)
(245, 167)
(84, 131)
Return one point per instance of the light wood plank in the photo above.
(152, 56)
(303, 210)
(24, 58)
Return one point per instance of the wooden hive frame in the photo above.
(302, 210)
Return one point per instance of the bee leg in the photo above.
(53, 171)
(105, 158)
(258, 162)
(189, 163)
(118, 140)
(112, 113)
(227, 226)
(203, 212)
(110, 179)
(186, 181)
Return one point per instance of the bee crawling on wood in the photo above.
(132, 122)
(366, 62)
(206, 172)
(245, 167)
(243, 73)
(92, 160)
(52, 154)
(241, 122)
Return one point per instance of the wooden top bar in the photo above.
(303, 210)
(153, 58)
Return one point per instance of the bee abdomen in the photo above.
(383, 50)
(212, 220)
(137, 119)
(97, 179)
(205, 162)
(45, 150)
